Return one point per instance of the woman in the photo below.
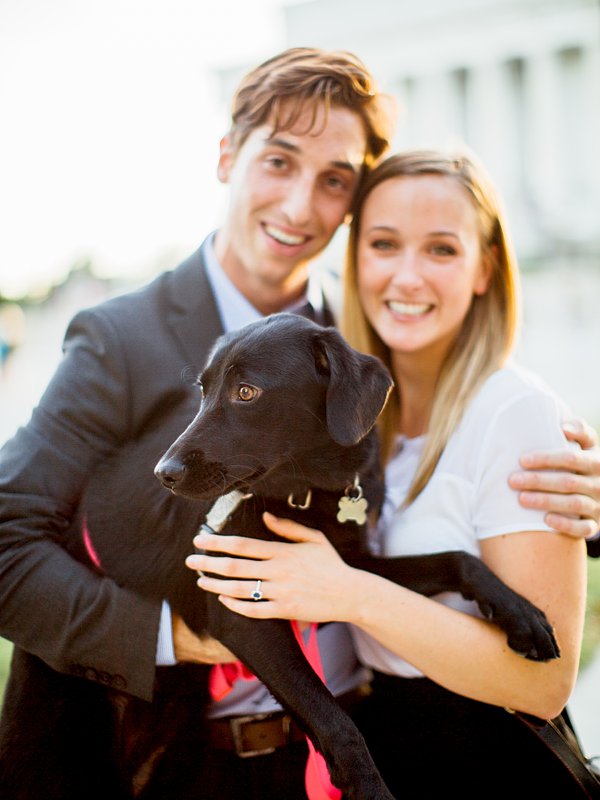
(432, 289)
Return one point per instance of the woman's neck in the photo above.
(416, 384)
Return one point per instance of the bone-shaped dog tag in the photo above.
(352, 509)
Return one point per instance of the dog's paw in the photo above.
(528, 631)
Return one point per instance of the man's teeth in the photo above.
(410, 309)
(284, 238)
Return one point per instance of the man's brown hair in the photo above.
(311, 78)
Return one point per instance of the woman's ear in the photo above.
(489, 259)
(226, 158)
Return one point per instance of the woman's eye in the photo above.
(381, 244)
(246, 392)
(443, 250)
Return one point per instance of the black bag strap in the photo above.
(560, 738)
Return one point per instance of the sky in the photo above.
(111, 120)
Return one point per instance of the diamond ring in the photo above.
(257, 594)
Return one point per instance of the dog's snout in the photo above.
(169, 472)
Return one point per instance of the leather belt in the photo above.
(261, 734)
(254, 735)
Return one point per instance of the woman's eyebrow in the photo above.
(444, 233)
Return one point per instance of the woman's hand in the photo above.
(305, 579)
(565, 483)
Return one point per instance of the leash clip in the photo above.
(302, 506)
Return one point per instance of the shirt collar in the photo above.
(234, 308)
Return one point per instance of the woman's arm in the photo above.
(308, 580)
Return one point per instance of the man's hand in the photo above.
(565, 483)
(189, 647)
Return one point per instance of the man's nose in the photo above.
(298, 201)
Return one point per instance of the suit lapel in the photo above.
(192, 313)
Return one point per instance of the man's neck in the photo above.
(269, 297)
(277, 301)
(267, 294)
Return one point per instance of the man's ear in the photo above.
(226, 158)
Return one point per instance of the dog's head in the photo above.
(284, 402)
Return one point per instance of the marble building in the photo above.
(517, 80)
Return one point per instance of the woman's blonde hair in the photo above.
(488, 332)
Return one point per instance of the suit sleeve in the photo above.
(50, 605)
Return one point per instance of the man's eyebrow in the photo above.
(293, 148)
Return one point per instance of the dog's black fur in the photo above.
(305, 423)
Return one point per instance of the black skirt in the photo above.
(430, 743)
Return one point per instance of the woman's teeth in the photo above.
(409, 309)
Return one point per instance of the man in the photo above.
(305, 126)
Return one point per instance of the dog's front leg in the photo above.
(270, 650)
(527, 628)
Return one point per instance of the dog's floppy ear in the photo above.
(358, 387)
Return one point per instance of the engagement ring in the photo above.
(257, 594)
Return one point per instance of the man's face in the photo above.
(289, 192)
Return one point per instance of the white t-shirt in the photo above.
(468, 497)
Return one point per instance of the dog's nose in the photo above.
(169, 472)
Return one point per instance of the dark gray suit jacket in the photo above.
(127, 363)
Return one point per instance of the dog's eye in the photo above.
(246, 393)
(200, 385)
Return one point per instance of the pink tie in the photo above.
(317, 780)
(222, 678)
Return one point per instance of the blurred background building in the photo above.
(517, 80)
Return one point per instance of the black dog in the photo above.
(287, 419)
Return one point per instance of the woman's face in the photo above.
(419, 263)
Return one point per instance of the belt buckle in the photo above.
(237, 724)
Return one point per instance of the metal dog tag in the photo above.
(352, 509)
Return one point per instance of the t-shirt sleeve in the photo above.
(528, 422)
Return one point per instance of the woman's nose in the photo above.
(407, 268)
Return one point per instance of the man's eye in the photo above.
(335, 182)
(276, 162)
(246, 393)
